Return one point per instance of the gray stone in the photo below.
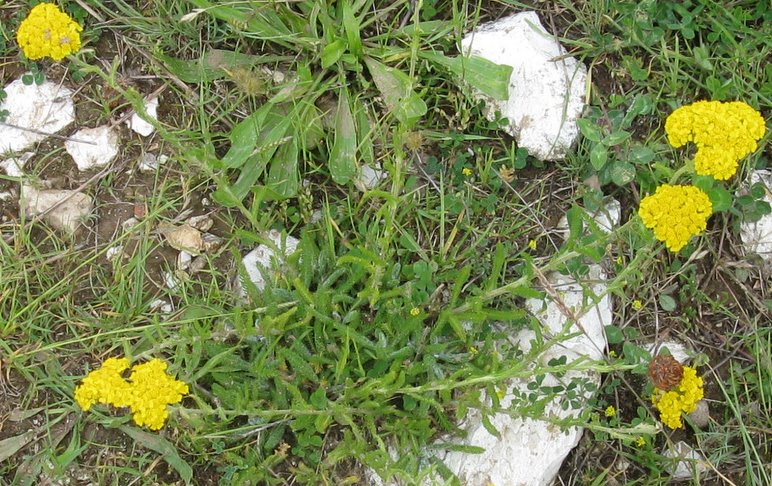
(69, 207)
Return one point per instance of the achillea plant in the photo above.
(676, 213)
(147, 392)
(48, 32)
(724, 133)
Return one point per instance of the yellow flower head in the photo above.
(723, 132)
(151, 391)
(104, 385)
(676, 213)
(610, 411)
(682, 399)
(467, 171)
(48, 32)
(415, 311)
(147, 392)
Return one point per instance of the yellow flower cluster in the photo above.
(676, 213)
(723, 132)
(48, 32)
(147, 391)
(682, 399)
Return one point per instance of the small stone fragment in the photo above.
(183, 238)
(687, 463)
(757, 236)
(701, 415)
(262, 260)
(71, 207)
(546, 88)
(170, 280)
(607, 218)
(128, 224)
(212, 243)
(14, 166)
(148, 163)
(198, 264)
(92, 148)
(369, 177)
(139, 125)
(202, 222)
(161, 306)
(183, 260)
(114, 252)
(41, 109)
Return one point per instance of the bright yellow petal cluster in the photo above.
(105, 385)
(48, 32)
(676, 213)
(147, 391)
(152, 389)
(723, 132)
(683, 399)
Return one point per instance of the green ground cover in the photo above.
(389, 323)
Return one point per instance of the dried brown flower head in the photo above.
(506, 174)
(665, 371)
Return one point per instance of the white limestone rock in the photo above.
(148, 163)
(546, 89)
(159, 305)
(525, 441)
(37, 111)
(677, 350)
(687, 463)
(757, 237)
(139, 125)
(72, 207)
(92, 148)
(369, 177)
(259, 262)
(14, 166)
(607, 218)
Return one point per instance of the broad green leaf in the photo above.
(667, 303)
(243, 138)
(268, 141)
(575, 222)
(614, 335)
(12, 445)
(590, 130)
(166, 449)
(641, 154)
(486, 76)
(622, 173)
(396, 89)
(720, 197)
(283, 176)
(615, 138)
(598, 156)
(332, 52)
(343, 163)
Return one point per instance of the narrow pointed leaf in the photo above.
(343, 154)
